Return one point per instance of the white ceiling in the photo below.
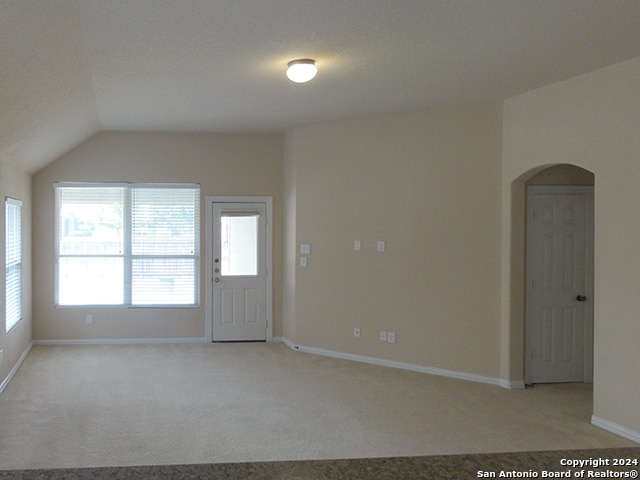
(70, 68)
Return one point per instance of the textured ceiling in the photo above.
(69, 68)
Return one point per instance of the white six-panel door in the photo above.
(559, 285)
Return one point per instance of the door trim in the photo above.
(588, 192)
(208, 270)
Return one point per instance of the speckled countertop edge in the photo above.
(442, 467)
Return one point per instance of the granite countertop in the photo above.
(401, 468)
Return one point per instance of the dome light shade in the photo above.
(302, 70)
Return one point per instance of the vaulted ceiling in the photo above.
(70, 68)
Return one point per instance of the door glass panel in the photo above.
(239, 244)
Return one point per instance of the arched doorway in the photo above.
(559, 276)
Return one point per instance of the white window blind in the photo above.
(128, 244)
(164, 245)
(13, 262)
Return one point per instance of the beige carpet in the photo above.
(77, 406)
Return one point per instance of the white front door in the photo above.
(239, 271)
(559, 307)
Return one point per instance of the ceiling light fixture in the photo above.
(301, 70)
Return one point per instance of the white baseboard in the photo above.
(120, 341)
(512, 384)
(15, 368)
(615, 428)
(404, 366)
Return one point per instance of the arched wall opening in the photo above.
(514, 334)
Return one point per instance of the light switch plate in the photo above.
(305, 249)
(303, 261)
(357, 245)
(381, 245)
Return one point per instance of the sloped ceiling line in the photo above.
(69, 68)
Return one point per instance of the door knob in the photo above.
(216, 279)
(581, 298)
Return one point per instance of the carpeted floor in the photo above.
(162, 405)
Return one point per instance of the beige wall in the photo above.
(590, 121)
(221, 164)
(289, 247)
(563, 174)
(17, 184)
(426, 183)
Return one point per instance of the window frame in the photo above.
(127, 256)
(13, 305)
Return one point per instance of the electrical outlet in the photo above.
(391, 337)
(383, 336)
(89, 319)
(356, 332)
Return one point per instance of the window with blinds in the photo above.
(127, 244)
(13, 262)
